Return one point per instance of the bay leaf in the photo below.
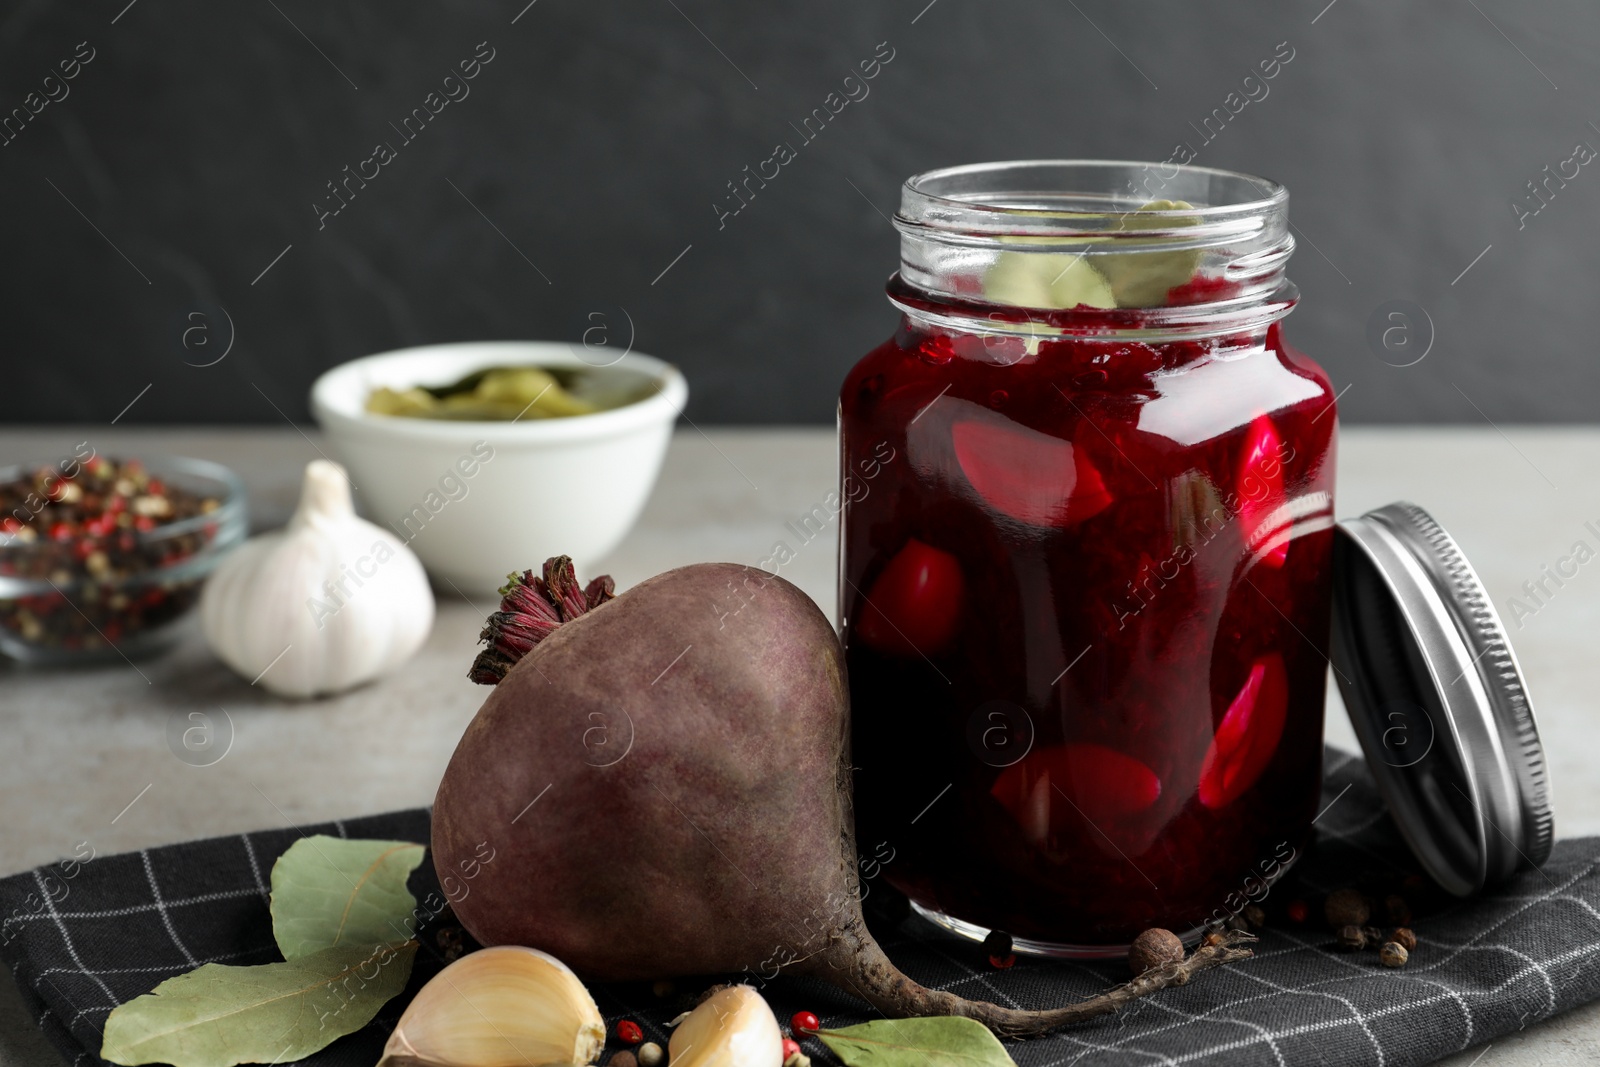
(217, 1016)
(329, 891)
(942, 1041)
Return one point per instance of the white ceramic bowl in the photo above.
(477, 500)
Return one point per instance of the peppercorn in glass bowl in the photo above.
(100, 558)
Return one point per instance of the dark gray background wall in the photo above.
(164, 206)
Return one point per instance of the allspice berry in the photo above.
(1153, 948)
(623, 1059)
(1347, 907)
(649, 1054)
(1352, 938)
(1255, 915)
(1396, 910)
(1393, 954)
(1405, 938)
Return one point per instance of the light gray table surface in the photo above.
(86, 757)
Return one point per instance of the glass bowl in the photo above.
(64, 601)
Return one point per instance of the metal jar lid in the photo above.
(1437, 700)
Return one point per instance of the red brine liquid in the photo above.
(1085, 595)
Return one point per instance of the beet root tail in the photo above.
(858, 965)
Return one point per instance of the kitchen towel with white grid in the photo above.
(1482, 968)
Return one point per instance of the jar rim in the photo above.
(969, 196)
(1060, 233)
(1149, 325)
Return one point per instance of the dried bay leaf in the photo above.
(945, 1041)
(1143, 279)
(329, 891)
(217, 1015)
(342, 917)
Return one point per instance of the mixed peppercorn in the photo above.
(1350, 913)
(92, 530)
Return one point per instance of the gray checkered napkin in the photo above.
(1484, 967)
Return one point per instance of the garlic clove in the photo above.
(733, 1027)
(499, 1007)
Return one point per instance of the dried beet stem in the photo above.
(856, 963)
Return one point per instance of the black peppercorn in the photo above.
(997, 946)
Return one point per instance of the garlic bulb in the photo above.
(733, 1027)
(499, 1007)
(326, 603)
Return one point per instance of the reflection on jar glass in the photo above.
(1086, 603)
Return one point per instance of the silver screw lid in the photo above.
(1437, 700)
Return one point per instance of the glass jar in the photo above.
(1085, 554)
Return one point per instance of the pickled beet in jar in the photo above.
(1085, 556)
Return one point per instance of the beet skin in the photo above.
(705, 847)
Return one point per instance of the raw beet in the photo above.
(664, 782)
(723, 817)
